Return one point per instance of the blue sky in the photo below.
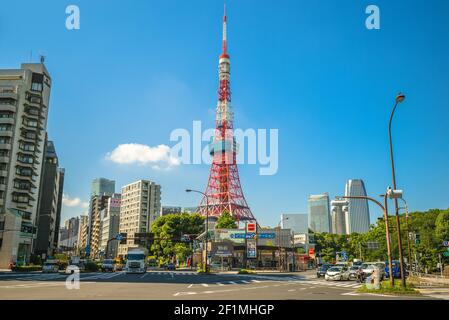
(134, 72)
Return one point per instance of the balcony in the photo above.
(7, 107)
(8, 94)
(7, 120)
(6, 133)
(5, 146)
(3, 173)
(4, 159)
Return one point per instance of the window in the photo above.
(22, 185)
(5, 127)
(30, 123)
(11, 102)
(4, 140)
(37, 82)
(3, 166)
(6, 114)
(30, 135)
(25, 159)
(27, 172)
(4, 153)
(20, 198)
(26, 146)
(33, 111)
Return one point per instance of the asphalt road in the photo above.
(183, 285)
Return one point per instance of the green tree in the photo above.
(168, 231)
(226, 221)
(442, 226)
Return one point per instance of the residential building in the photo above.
(83, 232)
(24, 104)
(297, 222)
(140, 206)
(69, 235)
(358, 211)
(97, 204)
(339, 216)
(49, 208)
(110, 226)
(170, 210)
(319, 215)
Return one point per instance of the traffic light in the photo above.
(123, 237)
(417, 238)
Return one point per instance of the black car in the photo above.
(321, 271)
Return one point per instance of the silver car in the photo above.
(337, 273)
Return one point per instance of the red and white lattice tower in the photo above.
(224, 192)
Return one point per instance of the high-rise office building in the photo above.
(110, 226)
(140, 206)
(298, 223)
(101, 190)
(339, 216)
(24, 104)
(319, 214)
(101, 186)
(358, 210)
(50, 199)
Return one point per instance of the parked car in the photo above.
(368, 269)
(337, 273)
(353, 272)
(108, 265)
(396, 269)
(50, 267)
(321, 271)
(71, 268)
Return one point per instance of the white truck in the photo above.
(136, 261)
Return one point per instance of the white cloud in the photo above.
(73, 202)
(158, 157)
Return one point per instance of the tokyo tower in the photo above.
(224, 192)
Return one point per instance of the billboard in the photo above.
(251, 249)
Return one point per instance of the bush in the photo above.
(92, 267)
(386, 288)
(245, 271)
(28, 268)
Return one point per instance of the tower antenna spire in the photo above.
(224, 31)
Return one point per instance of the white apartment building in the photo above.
(140, 206)
(24, 104)
(110, 226)
(83, 232)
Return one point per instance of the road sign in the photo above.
(88, 250)
(251, 227)
(344, 256)
(446, 254)
(251, 249)
(311, 251)
(446, 243)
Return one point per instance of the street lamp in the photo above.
(387, 228)
(399, 98)
(279, 240)
(207, 223)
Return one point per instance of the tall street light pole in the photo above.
(408, 232)
(207, 224)
(387, 229)
(399, 98)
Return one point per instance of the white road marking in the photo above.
(220, 284)
(146, 273)
(204, 284)
(190, 286)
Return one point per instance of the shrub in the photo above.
(245, 271)
(28, 268)
(91, 267)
